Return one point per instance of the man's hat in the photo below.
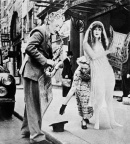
(59, 126)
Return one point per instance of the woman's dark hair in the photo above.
(91, 38)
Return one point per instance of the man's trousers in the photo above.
(32, 115)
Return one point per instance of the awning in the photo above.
(93, 8)
(82, 8)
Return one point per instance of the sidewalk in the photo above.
(73, 133)
(90, 136)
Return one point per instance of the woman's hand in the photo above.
(62, 109)
(111, 50)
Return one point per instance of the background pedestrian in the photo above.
(67, 74)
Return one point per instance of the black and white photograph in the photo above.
(64, 71)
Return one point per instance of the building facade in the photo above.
(17, 19)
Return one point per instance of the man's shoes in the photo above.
(42, 142)
(26, 135)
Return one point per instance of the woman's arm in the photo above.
(64, 104)
(75, 84)
(91, 53)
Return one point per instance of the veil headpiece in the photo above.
(89, 30)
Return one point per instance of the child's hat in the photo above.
(83, 62)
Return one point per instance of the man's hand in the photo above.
(50, 62)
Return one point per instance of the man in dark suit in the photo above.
(37, 85)
(67, 72)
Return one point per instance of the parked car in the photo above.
(7, 93)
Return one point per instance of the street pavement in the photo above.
(10, 132)
(73, 133)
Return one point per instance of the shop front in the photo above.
(111, 13)
(114, 13)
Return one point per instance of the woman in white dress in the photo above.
(102, 76)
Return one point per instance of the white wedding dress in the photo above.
(102, 77)
(102, 85)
